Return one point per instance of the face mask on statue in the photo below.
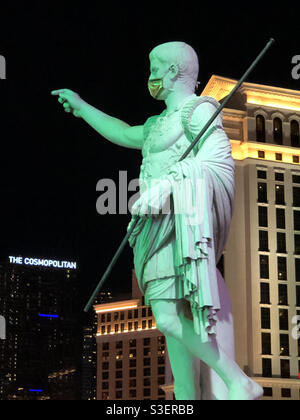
(156, 86)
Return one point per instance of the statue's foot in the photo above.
(247, 390)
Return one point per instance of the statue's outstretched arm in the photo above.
(110, 128)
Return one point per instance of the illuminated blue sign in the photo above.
(35, 390)
(48, 316)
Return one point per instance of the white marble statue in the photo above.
(176, 252)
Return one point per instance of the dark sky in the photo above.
(51, 161)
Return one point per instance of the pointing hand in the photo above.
(70, 100)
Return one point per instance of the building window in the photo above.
(284, 345)
(147, 392)
(263, 216)
(150, 311)
(150, 323)
(296, 196)
(105, 385)
(119, 384)
(261, 154)
(161, 370)
(132, 393)
(268, 392)
(262, 192)
(260, 128)
(295, 137)
(132, 363)
(296, 220)
(147, 361)
(280, 218)
(105, 375)
(267, 368)
(105, 395)
(132, 343)
(132, 383)
(122, 316)
(105, 346)
(265, 293)
(105, 366)
(265, 319)
(296, 159)
(144, 324)
(119, 374)
(280, 199)
(136, 325)
(108, 317)
(277, 129)
(266, 343)
(281, 243)
(296, 179)
(119, 394)
(103, 329)
(147, 341)
(147, 382)
(147, 371)
(263, 240)
(119, 364)
(279, 176)
(298, 296)
(297, 244)
(278, 156)
(297, 269)
(103, 318)
(282, 268)
(283, 319)
(147, 351)
(261, 174)
(264, 266)
(144, 312)
(285, 368)
(286, 393)
(119, 344)
(132, 353)
(129, 315)
(283, 295)
(136, 313)
(132, 373)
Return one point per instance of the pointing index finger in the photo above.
(57, 92)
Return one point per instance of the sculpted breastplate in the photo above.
(164, 144)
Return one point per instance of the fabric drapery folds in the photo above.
(198, 223)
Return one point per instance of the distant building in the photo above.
(89, 352)
(40, 357)
(131, 352)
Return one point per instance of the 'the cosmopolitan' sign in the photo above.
(43, 263)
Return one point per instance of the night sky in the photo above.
(51, 161)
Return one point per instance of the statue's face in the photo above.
(161, 79)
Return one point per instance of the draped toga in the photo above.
(176, 254)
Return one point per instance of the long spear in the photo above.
(190, 148)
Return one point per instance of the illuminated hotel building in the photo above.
(132, 357)
(39, 358)
(262, 256)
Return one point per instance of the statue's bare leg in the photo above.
(184, 369)
(170, 320)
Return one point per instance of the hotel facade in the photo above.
(262, 255)
(261, 262)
